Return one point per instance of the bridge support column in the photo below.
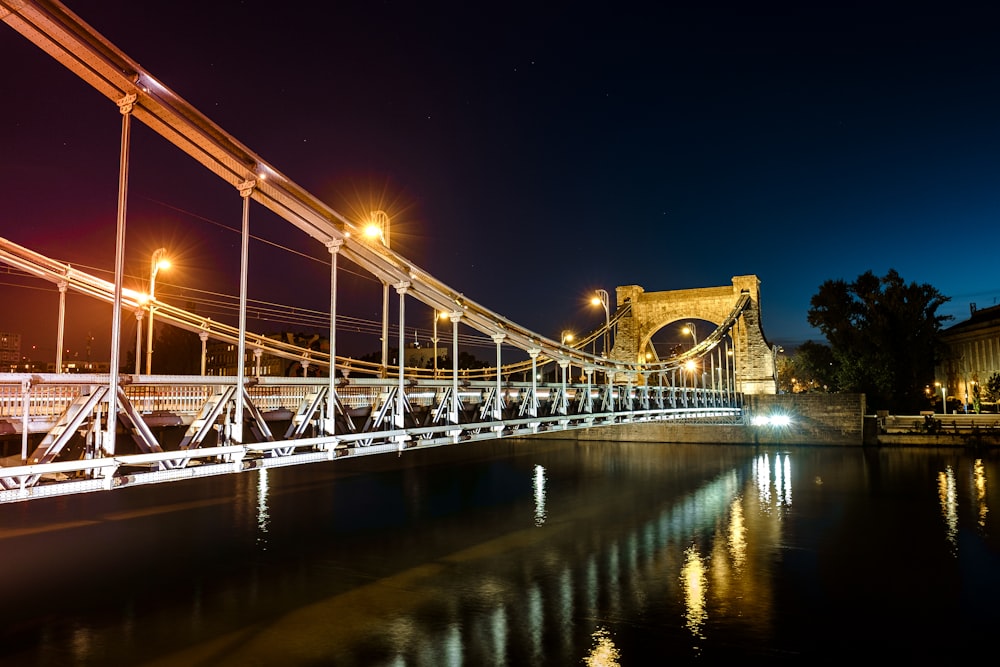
(754, 356)
(399, 419)
(563, 407)
(333, 245)
(125, 105)
(246, 189)
(498, 405)
(455, 317)
(202, 335)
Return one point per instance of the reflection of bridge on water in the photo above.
(228, 422)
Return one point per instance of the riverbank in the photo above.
(811, 419)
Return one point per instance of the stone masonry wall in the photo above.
(816, 419)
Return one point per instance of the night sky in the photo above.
(527, 153)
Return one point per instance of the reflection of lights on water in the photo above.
(82, 643)
(498, 628)
(604, 652)
(262, 514)
(979, 478)
(949, 503)
(591, 585)
(536, 622)
(539, 486)
(782, 480)
(737, 534)
(763, 474)
(787, 497)
(695, 583)
(779, 482)
(453, 645)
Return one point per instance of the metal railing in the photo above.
(362, 419)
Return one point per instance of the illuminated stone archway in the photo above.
(651, 311)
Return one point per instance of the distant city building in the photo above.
(221, 357)
(77, 366)
(973, 353)
(10, 351)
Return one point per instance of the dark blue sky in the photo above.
(530, 153)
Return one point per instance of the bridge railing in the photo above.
(59, 403)
(49, 395)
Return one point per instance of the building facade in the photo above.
(972, 356)
(10, 351)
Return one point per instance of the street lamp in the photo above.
(689, 329)
(944, 400)
(567, 337)
(157, 262)
(434, 340)
(601, 299)
(378, 228)
(139, 314)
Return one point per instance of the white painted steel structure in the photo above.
(67, 410)
(87, 414)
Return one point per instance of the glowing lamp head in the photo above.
(690, 365)
(373, 231)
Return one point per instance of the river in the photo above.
(527, 552)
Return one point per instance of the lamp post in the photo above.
(944, 400)
(601, 299)
(157, 262)
(139, 313)
(435, 339)
(378, 228)
(567, 337)
(689, 329)
(691, 367)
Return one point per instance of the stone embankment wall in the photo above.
(815, 419)
(937, 430)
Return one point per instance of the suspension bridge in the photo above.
(90, 432)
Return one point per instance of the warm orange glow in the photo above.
(691, 366)
(695, 583)
(373, 231)
(596, 301)
(604, 653)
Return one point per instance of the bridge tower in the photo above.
(651, 311)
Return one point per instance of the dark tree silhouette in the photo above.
(883, 335)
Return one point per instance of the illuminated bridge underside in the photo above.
(365, 422)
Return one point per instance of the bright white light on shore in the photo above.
(771, 420)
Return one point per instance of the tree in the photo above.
(883, 335)
(993, 388)
(814, 367)
(176, 351)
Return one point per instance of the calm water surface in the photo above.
(519, 553)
